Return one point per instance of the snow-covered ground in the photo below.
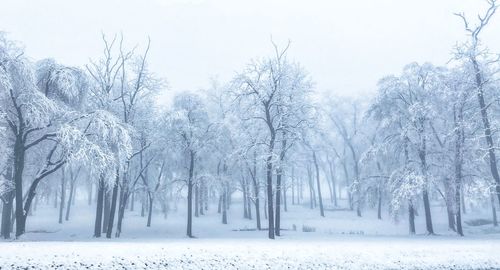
(341, 241)
(331, 253)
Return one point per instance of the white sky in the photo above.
(345, 45)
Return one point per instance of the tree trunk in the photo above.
(150, 212)
(100, 205)
(334, 188)
(270, 210)
(107, 208)
(256, 192)
(458, 213)
(19, 153)
(112, 210)
(71, 198)
(422, 153)
(8, 201)
(190, 197)
(63, 196)
(196, 201)
(493, 211)
(321, 210)
(312, 196)
(6, 214)
(224, 206)
(124, 193)
(277, 220)
(411, 218)
(202, 197)
(449, 200)
(285, 206)
(427, 208)
(132, 201)
(462, 199)
(245, 196)
(219, 208)
(143, 204)
(265, 207)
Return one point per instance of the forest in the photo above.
(266, 145)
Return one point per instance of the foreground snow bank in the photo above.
(334, 253)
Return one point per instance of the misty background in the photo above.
(345, 45)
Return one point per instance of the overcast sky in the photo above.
(345, 45)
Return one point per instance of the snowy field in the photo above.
(327, 253)
(373, 244)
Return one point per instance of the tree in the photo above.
(264, 91)
(191, 128)
(481, 65)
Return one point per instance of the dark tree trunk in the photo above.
(459, 141)
(449, 199)
(270, 210)
(249, 204)
(224, 206)
(196, 201)
(121, 209)
(202, 197)
(8, 203)
(107, 208)
(228, 194)
(6, 214)
(462, 199)
(19, 153)
(112, 210)
(458, 214)
(285, 205)
(219, 208)
(100, 205)
(321, 210)
(150, 212)
(132, 201)
(205, 201)
(56, 197)
(63, 196)
(451, 219)
(143, 204)
(312, 195)
(35, 205)
(245, 196)
(422, 153)
(493, 211)
(265, 207)
(411, 218)
(277, 220)
(257, 213)
(427, 208)
(71, 198)
(256, 191)
(31, 195)
(189, 229)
